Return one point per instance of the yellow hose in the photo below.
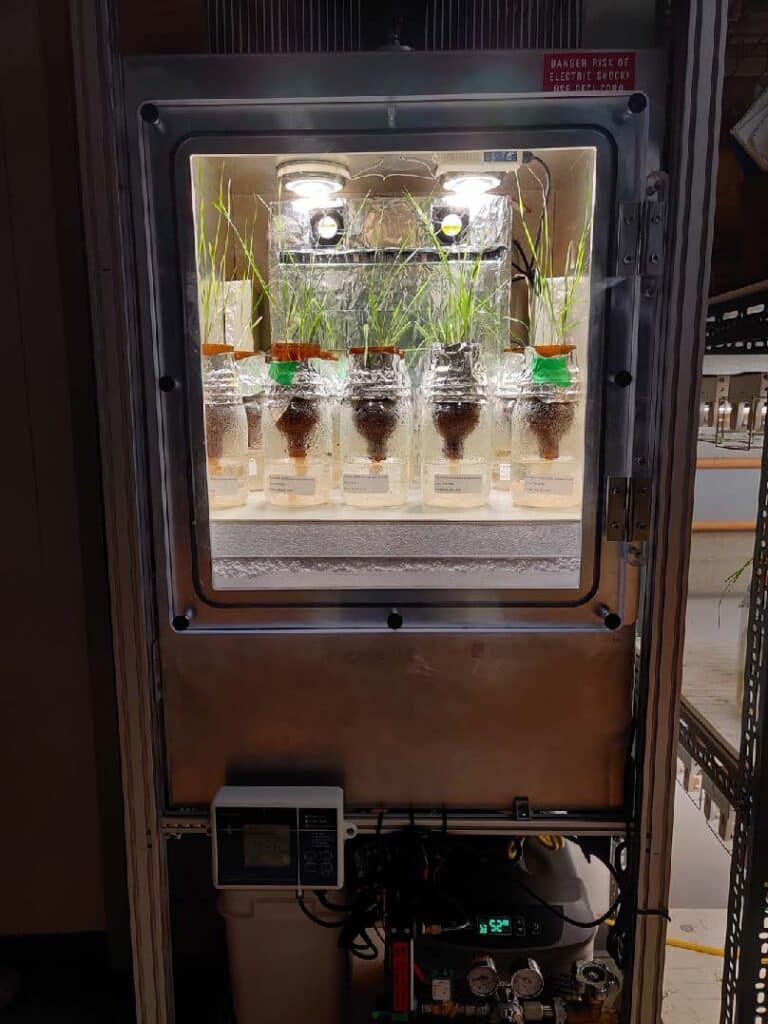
(696, 947)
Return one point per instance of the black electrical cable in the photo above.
(547, 175)
(547, 190)
(570, 920)
(616, 874)
(339, 908)
(454, 903)
(367, 951)
(316, 920)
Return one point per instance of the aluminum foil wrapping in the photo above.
(456, 372)
(252, 373)
(306, 378)
(390, 224)
(374, 373)
(511, 371)
(221, 385)
(380, 235)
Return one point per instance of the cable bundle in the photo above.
(401, 876)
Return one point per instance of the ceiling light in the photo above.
(313, 178)
(469, 184)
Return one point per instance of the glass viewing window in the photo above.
(394, 357)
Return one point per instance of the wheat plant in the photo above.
(557, 303)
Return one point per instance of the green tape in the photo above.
(550, 370)
(282, 372)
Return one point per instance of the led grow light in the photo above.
(469, 184)
(313, 178)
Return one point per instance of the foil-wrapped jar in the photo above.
(333, 369)
(297, 428)
(455, 428)
(376, 429)
(548, 448)
(226, 429)
(512, 366)
(252, 373)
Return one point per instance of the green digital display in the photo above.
(494, 926)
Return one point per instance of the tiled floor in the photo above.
(700, 880)
(691, 979)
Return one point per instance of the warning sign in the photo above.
(585, 71)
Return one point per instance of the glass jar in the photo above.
(455, 428)
(297, 428)
(251, 371)
(376, 429)
(507, 392)
(226, 429)
(332, 369)
(548, 455)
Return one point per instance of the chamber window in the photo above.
(394, 355)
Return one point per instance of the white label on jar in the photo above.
(224, 486)
(562, 485)
(441, 990)
(281, 483)
(365, 483)
(253, 467)
(459, 483)
(505, 471)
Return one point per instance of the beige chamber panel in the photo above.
(470, 721)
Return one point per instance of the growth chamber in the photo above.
(394, 404)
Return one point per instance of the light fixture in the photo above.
(467, 183)
(312, 178)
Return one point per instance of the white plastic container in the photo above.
(282, 967)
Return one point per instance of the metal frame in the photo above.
(177, 129)
(745, 973)
(716, 758)
(699, 47)
(374, 822)
(103, 172)
(245, 98)
(699, 42)
(737, 323)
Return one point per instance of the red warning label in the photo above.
(585, 71)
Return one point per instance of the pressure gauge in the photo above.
(594, 974)
(527, 981)
(483, 978)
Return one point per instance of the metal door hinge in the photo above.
(628, 508)
(642, 229)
